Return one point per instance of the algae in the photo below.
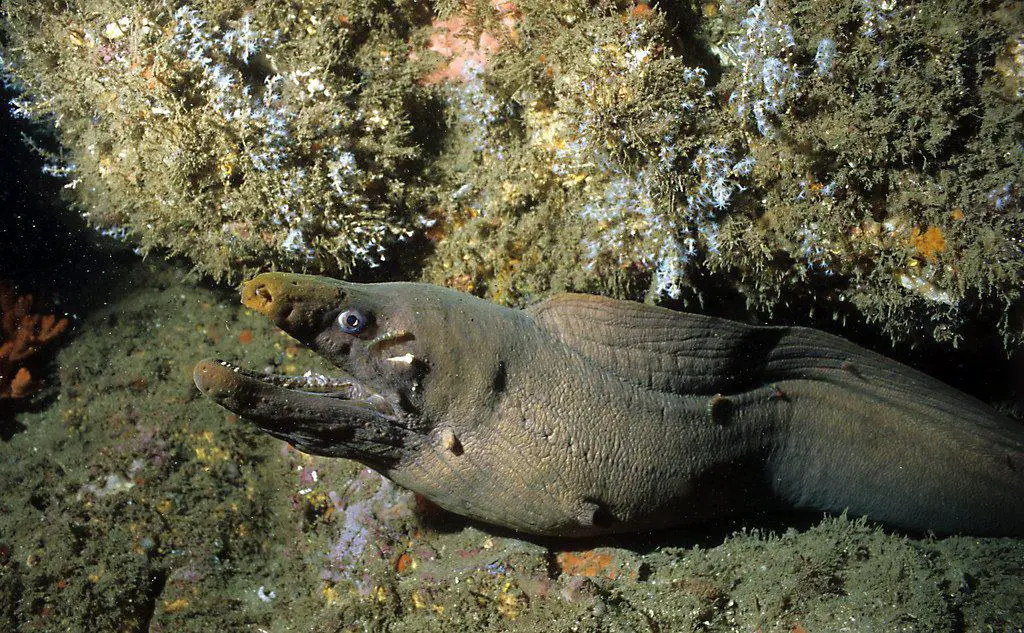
(241, 138)
(854, 160)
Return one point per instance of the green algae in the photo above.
(897, 128)
(883, 145)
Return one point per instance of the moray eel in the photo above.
(585, 415)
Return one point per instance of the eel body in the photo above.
(584, 415)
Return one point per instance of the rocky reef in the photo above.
(856, 159)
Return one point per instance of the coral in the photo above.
(23, 335)
(465, 52)
(591, 126)
(796, 175)
(929, 243)
(768, 76)
(364, 520)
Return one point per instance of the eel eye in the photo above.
(352, 321)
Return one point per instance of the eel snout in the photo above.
(295, 303)
(212, 380)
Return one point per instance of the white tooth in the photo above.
(405, 359)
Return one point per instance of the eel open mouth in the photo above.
(248, 393)
(309, 382)
(335, 417)
(343, 416)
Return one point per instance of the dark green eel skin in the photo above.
(584, 415)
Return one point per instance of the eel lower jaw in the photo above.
(248, 393)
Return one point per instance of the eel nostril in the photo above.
(258, 296)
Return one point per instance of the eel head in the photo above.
(395, 345)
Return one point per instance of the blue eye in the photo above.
(352, 321)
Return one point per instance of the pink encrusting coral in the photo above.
(466, 49)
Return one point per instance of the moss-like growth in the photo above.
(860, 159)
(571, 154)
(242, 137)
(889, 167)
(851, 158)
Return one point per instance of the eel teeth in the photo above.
(315, 383)
(404, 359)
(309, 381)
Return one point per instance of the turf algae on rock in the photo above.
(856, 159)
